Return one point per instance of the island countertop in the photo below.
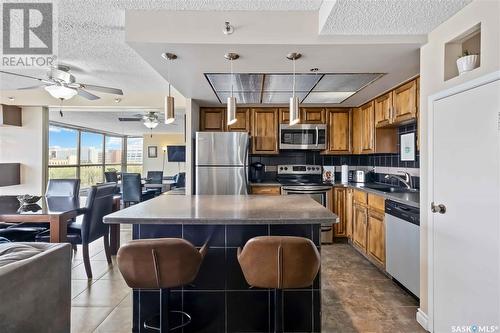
(225, 209)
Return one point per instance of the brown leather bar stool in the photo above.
(279, 262)
(163, 264)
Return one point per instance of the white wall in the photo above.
(192, 125)
(26, 145)
(155, 164)
(486, 12)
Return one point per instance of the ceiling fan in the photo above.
(61, 84)
(150, 119)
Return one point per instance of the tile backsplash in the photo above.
(383, 162)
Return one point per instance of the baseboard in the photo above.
(422, 319)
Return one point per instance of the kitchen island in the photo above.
(220, 300)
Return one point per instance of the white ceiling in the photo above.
(106, 120)
(92, 39)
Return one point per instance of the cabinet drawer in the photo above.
(360, 197)
(376, 202)
(269, 190)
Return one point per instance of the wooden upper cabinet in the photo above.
(312, 116)
(404, 102)
(375, 245)
(212, 119)
(368, 128)
(242, 123)
(356, 131)
(264, 131)
(383, 110)
(284, 115)
(339, 131)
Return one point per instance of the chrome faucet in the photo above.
(407, 181)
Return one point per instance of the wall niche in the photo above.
(468, 41)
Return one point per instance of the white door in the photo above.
(466, 238)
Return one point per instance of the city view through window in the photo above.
(75, 153)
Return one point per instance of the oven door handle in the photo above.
(303, 192)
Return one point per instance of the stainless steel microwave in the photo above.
(303, 136)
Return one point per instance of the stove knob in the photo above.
(286, 168)
(281, 168)
(308, 168)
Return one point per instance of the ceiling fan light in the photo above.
(61, 92)
(150, 123)
(294, 110)
(231, 110)
(169, 110)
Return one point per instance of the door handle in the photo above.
(441, 209)
(317, 135)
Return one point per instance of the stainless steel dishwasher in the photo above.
(402, 235)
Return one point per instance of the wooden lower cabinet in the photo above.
(348, 212)
(376, 236)
(339, 208)
(359, 225)
(266, 190)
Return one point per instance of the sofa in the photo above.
(35, 287)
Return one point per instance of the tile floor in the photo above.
(356, 296)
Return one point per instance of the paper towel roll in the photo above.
(344, 174)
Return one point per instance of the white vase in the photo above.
(467, 63)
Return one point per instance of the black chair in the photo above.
(180, 180)
(156, 177)
(99, 204)
(26, 232)
(112, 177)
(132, 189)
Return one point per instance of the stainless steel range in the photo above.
(307, 180)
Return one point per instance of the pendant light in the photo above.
(231, 101)
(294, 100)
(169, 100)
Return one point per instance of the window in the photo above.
(78, 153)
(63, 152)
(134, 154)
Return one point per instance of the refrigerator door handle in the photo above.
(245, 166)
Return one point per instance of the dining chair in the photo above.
(180, 180)
(112, 177)
(92, 227)
(132, 189)
(156, 177)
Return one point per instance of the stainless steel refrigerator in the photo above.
(221, 163)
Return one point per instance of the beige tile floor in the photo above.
(356, 296)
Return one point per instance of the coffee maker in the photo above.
(257, 171)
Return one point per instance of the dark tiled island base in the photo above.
(220, 300)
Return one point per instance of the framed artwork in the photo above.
(152, 151)
(407, 144)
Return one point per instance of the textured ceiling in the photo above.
(92, 34)
(388, 17)
(107, 120)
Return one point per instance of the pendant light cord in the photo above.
(293, 89)
(168, 76)
(232, 76)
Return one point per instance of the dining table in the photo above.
(56, 211)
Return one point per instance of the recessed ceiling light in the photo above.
(118, 100)
(11, 98)
(228, 28)
(314, 70)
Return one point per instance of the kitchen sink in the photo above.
(390, 189)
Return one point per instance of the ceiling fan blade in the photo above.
(33, 87)
(107, 90)
(87, 95)
(26, 76)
